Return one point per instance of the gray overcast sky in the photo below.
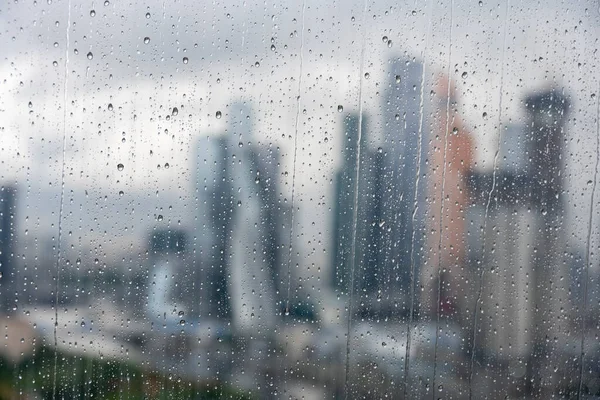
(251, 51)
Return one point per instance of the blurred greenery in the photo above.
(85, 377)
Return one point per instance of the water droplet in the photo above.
(257, 64)
(593, 95)
(55, 63)
(120, 167)
(30, 105)
(110, 107)
(384, 39)
(239, 203)
(397, 117)
(147, 15)
(464, 75)
(340, 108)
(146, 40)
(92, 13)
(167, 165)
(55, 44)
(272, 47)
(484, 115)
(218, 115)
(175, 111)
(90, 55)
(367, 75)
(455, 130)
(159, 218)
(121, 193)
(106, 3)
(398, 79)
(414, 12)
(185, 60)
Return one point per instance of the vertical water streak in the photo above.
(416, 206)
(62, 198)
(289, 270)
(587, 251)
(489, 201)
(439, 266)
(355, 209)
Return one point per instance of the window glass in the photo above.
(299, 199)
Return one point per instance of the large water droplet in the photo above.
(92, 13)
(146, 40)
(120, 167)
(175, 111)
(90, 55)
(218, 115)
(340, 108)
(185, 60)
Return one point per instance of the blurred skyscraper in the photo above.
(346, 185)
(547, 112)
(444, 276)
(505, 249)
(402, 187)
(7, 246)
(523, 313)
(240, 239)
(391, 198)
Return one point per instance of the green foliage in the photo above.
(86, 377)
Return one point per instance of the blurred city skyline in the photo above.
(278, 195)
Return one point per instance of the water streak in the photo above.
(293, 214)
(489, 201)
(62, 198)
(587, 251)
(439, 266)
(415, 209)
(355, 209)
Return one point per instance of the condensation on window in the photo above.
(299, 200)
